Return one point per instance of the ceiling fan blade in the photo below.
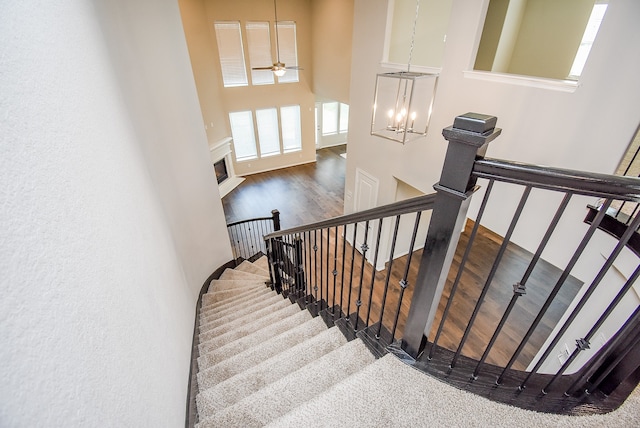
(262, 68)
(295, 67)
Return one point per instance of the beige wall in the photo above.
(216, 99)
(431, 29)
(491, 31)
(332, 28)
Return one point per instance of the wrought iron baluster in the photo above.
(403, 282)
(519, 289)
(315, 267)
(335, 269)
(364, 248)
(492, 273)
(386, 282)
(581, 343)
(344, 250)
(463, 262)
(353, 261)
(373, 273)
(321, 276)
(563, 277)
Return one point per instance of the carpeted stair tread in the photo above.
(234, 284)
(229, 291)
(241, 327)
(238, 274)
(247, 266)
(284, 395)
(251, 357)
(262, 263)
(231, 302)
(256, 338)
(250, 381)
(237, 297)
(216, 318)
(218, 312)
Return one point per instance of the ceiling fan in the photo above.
(278, 67)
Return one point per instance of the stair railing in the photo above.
(247, 236)
(360, 272)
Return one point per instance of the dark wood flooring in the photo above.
(314, 192)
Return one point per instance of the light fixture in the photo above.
(278, 68)
(403, 101)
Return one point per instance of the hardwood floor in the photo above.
(314, 192)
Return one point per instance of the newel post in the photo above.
(274, 254)
(468, 140)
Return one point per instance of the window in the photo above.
(268, 140)
(229, 39)
(335, 118)
(593, 25)
(244, 139)
(288, 50)
(291, 133)
(268, 135)
(259, 42)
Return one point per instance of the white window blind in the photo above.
(344, 118)
(268, 134)
(288, 49)
(231, 53)
(329, 118)
(244, 139)
(259, 45)
(291, 133)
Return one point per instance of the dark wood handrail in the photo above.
(421, 203)
(249, 221)
(558, 179)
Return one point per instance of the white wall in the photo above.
(109, 218)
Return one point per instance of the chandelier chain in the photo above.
(413, 35)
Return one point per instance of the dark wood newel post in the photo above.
(468, 140)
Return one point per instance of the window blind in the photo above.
(231, 53)
(288, 50)
(268, 134)
(259, 45)
(291, 133)
(244, 140)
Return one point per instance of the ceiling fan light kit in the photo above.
(403, 101)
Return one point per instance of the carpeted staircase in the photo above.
(263, 361)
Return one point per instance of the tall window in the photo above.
(268, 134)
(244, 138)
(593, 25)
(229, 38)
(288, 49)
(259, 42)
(291, 133)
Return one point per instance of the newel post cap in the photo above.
(473, 128)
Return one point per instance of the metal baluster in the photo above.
(373, 273)
(463, 262)
(519, 288)
(565, 274)
(353, 261)
(335, 269)
(582, 343)
(403, 282)
(327, 268)
(386, 282)
(344, 249)
(364, 249)
(307, 267)
(315, 266)
(321, 276)
(492, 273)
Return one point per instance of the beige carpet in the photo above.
(263, 362)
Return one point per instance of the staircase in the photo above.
(264, 362)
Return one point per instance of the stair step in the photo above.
(206, 311)
(239, 328)
(218, 297)
(254, 339)
(238, 274)
(233, 284)
(284, 395)
(216, 318)
(230, 299)
(247, 266)
(241, 385)
(262, 263)
(251, 357)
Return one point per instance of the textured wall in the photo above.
(109, 221)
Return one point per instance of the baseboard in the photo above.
(192, 387)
